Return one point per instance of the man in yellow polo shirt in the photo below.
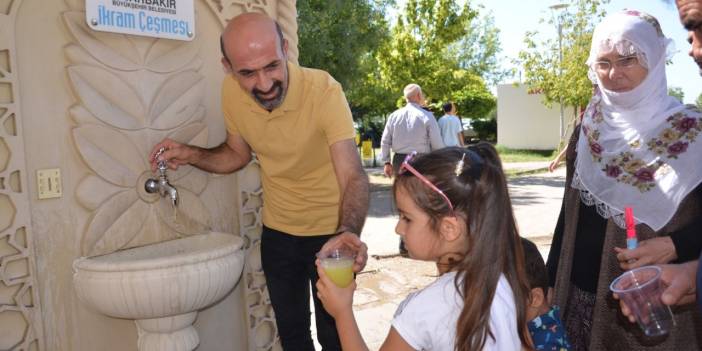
(315, 192)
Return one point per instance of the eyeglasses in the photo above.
(625, 62)
(406, 166)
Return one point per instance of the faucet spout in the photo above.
(166, 189)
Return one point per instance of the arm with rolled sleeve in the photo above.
(337, 124)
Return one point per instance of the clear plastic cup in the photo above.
(338, 265)
(640, 289)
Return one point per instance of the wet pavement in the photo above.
(388, 278)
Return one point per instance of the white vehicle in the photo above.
(469, 135)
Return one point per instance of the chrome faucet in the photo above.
(162, 186)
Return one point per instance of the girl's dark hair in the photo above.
(478, 192)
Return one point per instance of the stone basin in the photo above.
(162, 285)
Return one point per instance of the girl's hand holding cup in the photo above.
(335, 290)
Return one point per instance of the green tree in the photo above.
(422, 49)
(478, 50)
(338, 35)
(698, 102)
(677, 93)
(565, 79)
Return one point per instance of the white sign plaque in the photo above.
(170, 19)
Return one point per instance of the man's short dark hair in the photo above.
(278, 30)
(535, 266)
(448, 106)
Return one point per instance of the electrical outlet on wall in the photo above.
(49, 183)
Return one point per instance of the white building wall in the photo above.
(523, 122)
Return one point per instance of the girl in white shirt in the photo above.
(454, 210)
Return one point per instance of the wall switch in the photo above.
(49, 183)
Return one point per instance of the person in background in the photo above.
(455, 211)
(408, 129)
(544, 321)
(636, 146)
(450, 126)
(557, 161)
(315, 192)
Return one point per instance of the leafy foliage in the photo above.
(677, 93)
(698, 102)
(478, 50)
(424, 47)
(338, 36)
(566, 79)
(486, 128)
(449, 49)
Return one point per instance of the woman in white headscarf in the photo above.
(638, 147)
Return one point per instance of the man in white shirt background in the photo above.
(410, 128)
(450, 126)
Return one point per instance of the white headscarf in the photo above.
(637, 148)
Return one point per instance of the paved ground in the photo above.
(388, 278)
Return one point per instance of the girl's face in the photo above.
(415, 228)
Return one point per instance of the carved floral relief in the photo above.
(132, 92)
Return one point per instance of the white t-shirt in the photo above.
(450, 126)
(426, 319)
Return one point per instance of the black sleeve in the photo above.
(554, 253)
(688, 241)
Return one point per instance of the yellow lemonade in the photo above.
(339, 271)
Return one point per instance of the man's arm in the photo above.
(386, 141)
(460, 132)
(353, 186)
(459, 135)
(434, 133)
(228, 157)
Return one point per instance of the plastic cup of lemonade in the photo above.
(338, 265)
(641, 289)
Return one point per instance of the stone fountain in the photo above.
(162, 286)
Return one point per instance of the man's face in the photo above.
(261, 70)
(691, 17)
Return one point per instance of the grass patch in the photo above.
(519, 155)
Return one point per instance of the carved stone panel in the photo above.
(20, 308)
(132, 92)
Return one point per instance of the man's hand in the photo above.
(658, 250)
(352, 242)
(175, 154)
(387, 169)
(679, 280)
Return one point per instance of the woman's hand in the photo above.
(679, 282)
(658, 250)
(336, 300)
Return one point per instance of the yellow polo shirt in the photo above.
(300, 190)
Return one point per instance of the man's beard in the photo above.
(271, 103)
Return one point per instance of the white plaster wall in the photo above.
(523, 122)
(45, 97)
